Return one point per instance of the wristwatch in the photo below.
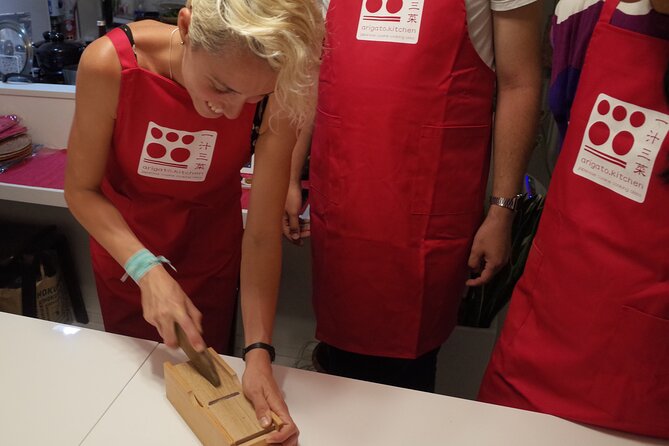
(509, 203)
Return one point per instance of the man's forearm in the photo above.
(516, 122)
(517, 36)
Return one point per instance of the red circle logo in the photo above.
(619, 113)
(599, 133)
(603, 107)
(623, 142)
(187, 139)
(394, 6)
(156, 150)
(180, 154)
(637, 119)
(373, 5)
(172, 137)
(156, 133)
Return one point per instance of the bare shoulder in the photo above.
(99, 63)
(98, 80)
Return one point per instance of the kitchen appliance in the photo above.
(16, 50)
(54, 54)
(33, 13)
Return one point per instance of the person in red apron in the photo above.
(587, 333)
(398, 172)
(162, 128)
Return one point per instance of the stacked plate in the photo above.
(15, 144)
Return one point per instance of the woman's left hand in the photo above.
(264, 393)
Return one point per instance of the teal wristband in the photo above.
(140, 263)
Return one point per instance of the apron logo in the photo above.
(620, 145)
(390, 20)
(171, 154)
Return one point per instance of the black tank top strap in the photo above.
(257, 122)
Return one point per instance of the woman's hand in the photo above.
(164, 303)
(294, 229)
(263, 392)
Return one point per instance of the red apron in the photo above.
(587, 334)
(174, 176)
(399, 165)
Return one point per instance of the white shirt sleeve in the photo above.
(508, 5)
(479, 23)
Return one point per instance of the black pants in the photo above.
(417, 374)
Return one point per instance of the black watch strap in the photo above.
(264, 346)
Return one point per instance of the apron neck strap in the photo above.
(607, 10)
(124, 48)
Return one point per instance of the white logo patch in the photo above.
(390, 20)
(177, 155)
(620, 145)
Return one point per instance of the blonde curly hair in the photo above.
(286, 33)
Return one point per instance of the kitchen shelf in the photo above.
(38, 180)
(38, 90)
(41, 179)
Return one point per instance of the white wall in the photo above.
(47, 110)
(39, 13)
(90, 11)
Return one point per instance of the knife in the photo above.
(201, 361)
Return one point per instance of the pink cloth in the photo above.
(44, 169)
(47, 169)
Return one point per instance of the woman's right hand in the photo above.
(294, 229)
(164, 303)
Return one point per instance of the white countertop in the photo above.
(56, 381)
(93, 388)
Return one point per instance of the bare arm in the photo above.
(88, 148)
(261, 266)
(261, 245)
(293, 229)
(518, 67)
(98, 82)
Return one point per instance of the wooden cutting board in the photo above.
(219, 416)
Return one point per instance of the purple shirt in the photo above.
(570, 38)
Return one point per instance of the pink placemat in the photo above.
(44, 169)
(246, 196)
(47, 169)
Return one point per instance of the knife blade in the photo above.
(201, 361)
